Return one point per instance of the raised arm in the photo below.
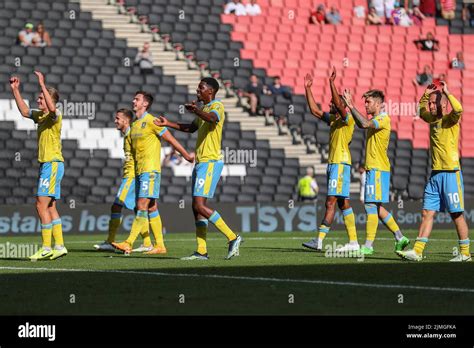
(169, 138)
(424, 112)
(313, 107)
(456, 113)
(47, 96)
(183, 127)
(359, 119)
(336, 99)
(20, 103)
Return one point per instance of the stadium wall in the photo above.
(261, 217)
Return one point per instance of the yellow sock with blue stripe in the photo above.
(46, 234)
(156, 228)
(58, 232)
(392, 225)
(464, 247)
(420, 244)
(372, 224)
(114, 224)
(323, 231)
(146, 237)
(201, 232)
(216, 219)
(349, 222)
(139, 224)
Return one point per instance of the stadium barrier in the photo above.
(248, 217)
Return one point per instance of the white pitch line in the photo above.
(264, 279)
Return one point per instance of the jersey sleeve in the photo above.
(456, 113)
(35, 115)
(328, 118)
(381, 122)
(158, 130)
(127, 149)
(218, 109)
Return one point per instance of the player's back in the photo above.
(340, 136)
(49, 135)
(377, 143)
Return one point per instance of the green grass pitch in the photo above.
(273, 275)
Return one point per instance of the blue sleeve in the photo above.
(217, 114)
(162, 131)
(376, 123)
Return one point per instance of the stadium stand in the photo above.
(279, 44)
(85, 64)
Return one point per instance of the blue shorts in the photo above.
(148, 185)
(339, 179)
(444, 190)
(49, 182)
(206, 175)
(377, 186)
(126, 194)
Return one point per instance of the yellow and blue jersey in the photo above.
(49, 135)
(128, 163)
(444, 134)
(146, 144)
(378, 139)
(340, 136)
(208, 145)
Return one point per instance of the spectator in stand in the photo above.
(428, 7)
(253, 91)
(172, 159)
(447, 9)
(425, 78)
(373, 18)
(318, 16)
(26, 36)
(389, 7)
(379, 7)
(400, 17)
(235, 7)
(468, 13)
(144, 59)
(278, 89)
(441, 77)
(458, 62)
(253, 9)
(428, 44)
(333, 16)
(42, 38)
(416, 16)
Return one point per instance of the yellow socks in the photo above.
(349, 221)
(156, 228)
(420, 245)
(323, 231)
(201, 231)
(464, 247)
(139, 224)
(216, 219)
(392, 225)
(114, 224)
(372, 223)
(46, 234)
(58, 232)
(146, 237)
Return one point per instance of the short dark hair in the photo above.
(147, 96)
(53, 92)
(374, 93)
(440, 97)
(211, 82)
(127, 112)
